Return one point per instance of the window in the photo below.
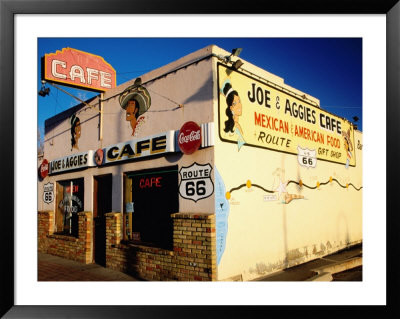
(69, 201)
(152, 196)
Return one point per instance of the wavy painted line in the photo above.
(255, 185)
(301, 184)
(265, 190)
(305, 185)
(346, 186)
(237, 188)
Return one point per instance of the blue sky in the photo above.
(329, 69)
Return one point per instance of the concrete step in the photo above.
(324, 273)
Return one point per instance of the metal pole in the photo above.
(101, 115)
(70, 206)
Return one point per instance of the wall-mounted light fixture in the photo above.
(355, 118)
(44, 91)
(237, 64)
(235, 52)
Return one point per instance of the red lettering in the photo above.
(74, 189)
(269, 122)
(150, 182)
(334, 142)
(275, 125)
(257, 118)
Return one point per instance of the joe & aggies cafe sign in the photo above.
(188, 138)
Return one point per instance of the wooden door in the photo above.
(59, 216)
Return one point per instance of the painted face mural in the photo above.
(348, 146)
(233, 112)
(132, 111)
(75, 131)
(98, 157)
(135, 100)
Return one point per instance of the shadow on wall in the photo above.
(342, 231)
(295, 257)
(117, 190)
(285, 235)
(203, 93)
(174, 157)
(68, 131)
(133, 264)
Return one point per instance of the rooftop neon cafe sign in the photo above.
(82, 70)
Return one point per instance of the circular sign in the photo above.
(189, 138)
(98, 156)
(44, 168)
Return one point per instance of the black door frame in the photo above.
(104, 184)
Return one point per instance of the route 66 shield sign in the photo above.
(48, 193)
(196, 182)
(306, 157)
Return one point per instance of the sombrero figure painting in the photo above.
(135, 100)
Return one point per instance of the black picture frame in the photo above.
(10, 8)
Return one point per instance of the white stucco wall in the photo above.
(257, 233)
(169, 87)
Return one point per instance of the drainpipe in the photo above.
(101, 115)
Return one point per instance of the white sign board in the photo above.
(196, 182)
(48, 193)
(140, 147)
(70, 162)
(129, 207)
(306, 157)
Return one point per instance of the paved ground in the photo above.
(354, 274)
(345, 265)
(53, 268)
(340, 266)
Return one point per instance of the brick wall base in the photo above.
(74, 248)
(193, 257)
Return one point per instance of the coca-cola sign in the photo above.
(189, 137)
(44, 168)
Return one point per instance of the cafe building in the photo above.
(206, 169)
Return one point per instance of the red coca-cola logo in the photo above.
(189, 138)
(44, 168)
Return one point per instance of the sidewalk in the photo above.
(321, 269)
(53, 268)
